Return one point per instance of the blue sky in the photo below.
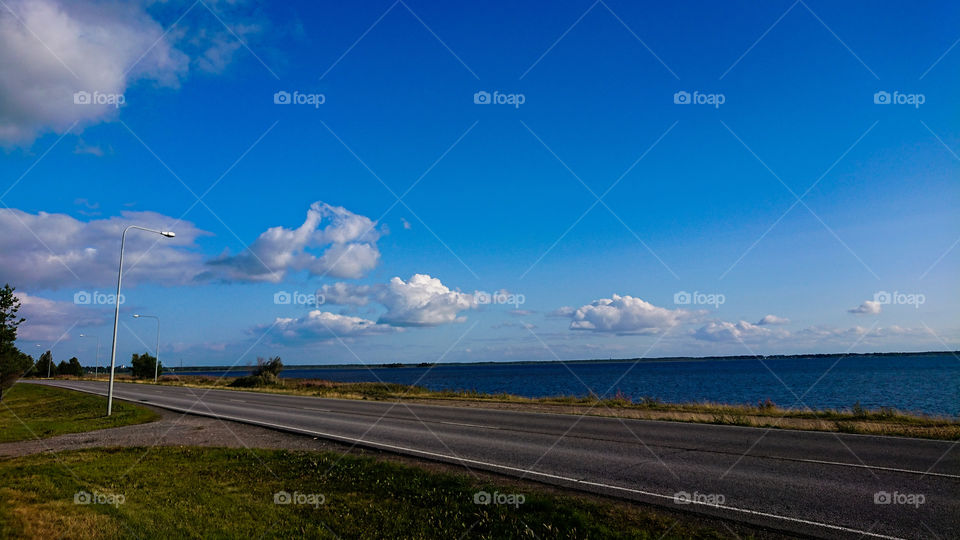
(798, 197)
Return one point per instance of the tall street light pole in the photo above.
(116, 313)
(96, 369)
(156, 364)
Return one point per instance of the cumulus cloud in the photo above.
(772, 319)
(624, 315)
(47, 320)
(869, 307)
(56, 250)
(720, 331)
(50, 49)
(331, 241)
(422, 300)
(323, 325)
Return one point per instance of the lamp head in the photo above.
(136, 316)
(168, 234)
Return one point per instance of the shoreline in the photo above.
(765, 414)
(399, 365)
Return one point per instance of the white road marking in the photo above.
(468, 425)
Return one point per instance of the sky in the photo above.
(416, 181)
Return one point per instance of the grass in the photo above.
(31, 411)
(171, 492)
(765, 414)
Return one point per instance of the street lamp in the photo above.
(156, 364)
(96, 369)
(116, 313)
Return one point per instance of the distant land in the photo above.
(174, 369)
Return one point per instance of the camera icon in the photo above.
(482, 98)
(282, 298)
(82, 497)
(881, 98)
(482, 497)
(882, 497)
(681, 497)
(681, 98)
(81, 297)
(482, 297)
(81, 98)
(882, 297)
(281, 98)
(682, 298)
(282, 497)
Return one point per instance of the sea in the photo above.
(924, 383)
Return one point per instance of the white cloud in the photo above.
(624, 315)
(869, 307)
(421, 301)
(56, 250)
(50, 49)
(739, 331)
(772, 319)
(47, 320)
(347, 241)
(323, 325)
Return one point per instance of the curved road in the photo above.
(818, 484)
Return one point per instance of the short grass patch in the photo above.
(170, 492)
(30, 411)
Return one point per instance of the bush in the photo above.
(265, 374)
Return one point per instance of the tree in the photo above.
(9, 321)
(45, 365)
(63, 368)
(142, 366)
(75, 368)
(13, 364)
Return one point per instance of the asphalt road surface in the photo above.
(818, 484)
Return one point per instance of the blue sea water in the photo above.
(918, 383)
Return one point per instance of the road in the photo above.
(811, 483)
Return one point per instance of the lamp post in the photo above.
(156, 364)
(96, 368)
(116, 313)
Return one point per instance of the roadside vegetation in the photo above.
(764, 414)
(32, 411)
(170, 492)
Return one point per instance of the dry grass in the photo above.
(764, 414)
